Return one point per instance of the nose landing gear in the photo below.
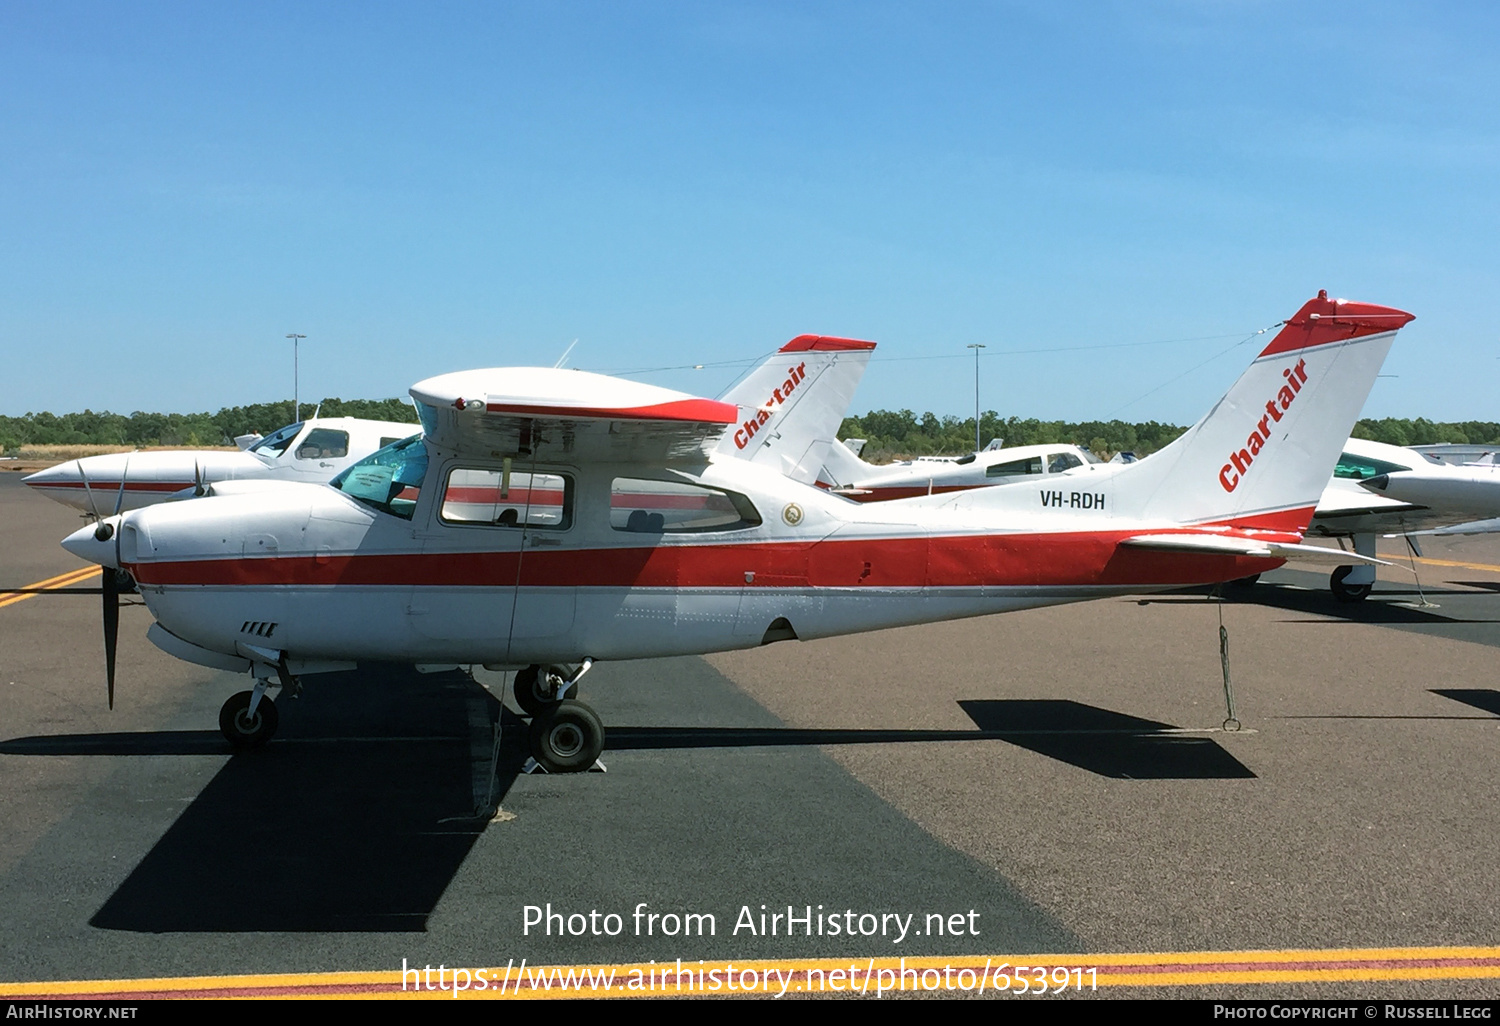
(243, 728)
(566, 735)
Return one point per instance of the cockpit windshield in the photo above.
(388, 480)
(274, 444)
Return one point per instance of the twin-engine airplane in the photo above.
(844, 472)
(547, 519)
(310, 451)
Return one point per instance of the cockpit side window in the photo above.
(323, 444)
(389, 480)
(1015, 468)
(505, 498)
(274, 444)
(1057, 462)
(1358, 468)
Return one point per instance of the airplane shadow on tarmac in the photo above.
(1099, 740)
(1385, 606)
(355, 818)
(359, 814)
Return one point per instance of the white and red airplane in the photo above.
(1380, 489)
(550, 518)
(845, 473)
(310, 451)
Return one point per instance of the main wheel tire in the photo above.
(1245, 582)
(1347, 592)
(535, 688)
(245, 731)
(567, 738)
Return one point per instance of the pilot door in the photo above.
(495, 542)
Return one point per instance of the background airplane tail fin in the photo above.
(842, 466)
(786, 422)
(1263, 455)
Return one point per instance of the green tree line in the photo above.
(186, 429)
(890, 434)
(900, 434)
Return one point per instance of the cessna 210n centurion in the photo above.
(312, 451)
(547, 519)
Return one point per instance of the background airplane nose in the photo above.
(95, 543)
(1378, 483)
(63, 472)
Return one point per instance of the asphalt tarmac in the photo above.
(1053, 781)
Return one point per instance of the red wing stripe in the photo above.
(684, 411)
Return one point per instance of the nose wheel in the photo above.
(244, 729)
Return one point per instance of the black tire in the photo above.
(535, 688)
(242, 731)
(1245, 582)
(1347, 592)
(567, 738)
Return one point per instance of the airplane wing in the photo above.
(568, 416)
(1229, 545)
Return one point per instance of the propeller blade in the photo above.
(124, 474)
(198, 489)
(88, 492)
(111, 591)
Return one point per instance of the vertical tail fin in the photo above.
(1262, 456)
(842, 466)
(786, 422)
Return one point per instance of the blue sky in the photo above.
(1109, 196)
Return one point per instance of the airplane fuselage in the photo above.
(312, 572)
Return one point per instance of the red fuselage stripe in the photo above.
(1033, 560)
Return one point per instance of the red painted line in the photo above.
(686, 411)
(1034, 560)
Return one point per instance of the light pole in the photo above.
(297, 394)
(976, 347)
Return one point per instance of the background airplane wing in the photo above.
(1235, 546)
(568, 416)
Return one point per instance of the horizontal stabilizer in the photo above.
(1217, 544)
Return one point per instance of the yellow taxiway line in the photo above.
(995, 974)
(1401, 557)
(10, 598)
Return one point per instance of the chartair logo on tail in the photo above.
(1239, 462)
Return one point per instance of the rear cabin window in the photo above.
(669, 507)
(499, 498)
(323, 444)
(1016, 468)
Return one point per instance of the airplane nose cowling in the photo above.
(96, 543)
(1378, 483)
(53, 475)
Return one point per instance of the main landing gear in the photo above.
(566, 735)
(1343, 590)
